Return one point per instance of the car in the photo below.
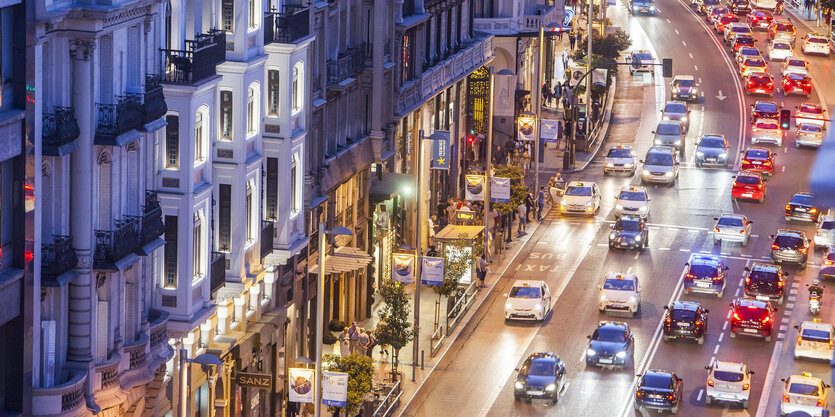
(752, 318)
(766, 131)
(814, 43)
(705, 274)
(828, 258)
(720, 22)
(734, 29)
(739, 7)
(685, 320)
(791, 246)
(732, 228)
(632, 200)
(759, 83)
(814, 340)
(802, 207)
(678, 111)
(741, 39)
(779, 50)
(705, 6)
(759, 159)
(795, 64)
(810, 113)
(748, 185)
(764, 109)
(646, 7)
(660, 165)
(808, 135)
(753, 64)
(641, 61)
(659, 390)
(765, 282)
(620, 158)
(804, 393)
(629, 232)
(542, 375)
(768, 5)
(712, 149)
(621, 293)
(611, 345)
(760, 19)
(825, 232)
(795, 83)
(528, 300)
(782, 29)
(670, 133)
(716, 12)
(744, 53)
(684, 88)
(728, 382)
(580, 198)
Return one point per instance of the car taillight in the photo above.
(775, 246)
(747, 280)
(818, 232)
(716, 229)
(717, 278)
(736, 316)
(710, 382)
(813, 210)
(742, 232)
(746, 162)
(668, 320)
(639, 394)
(698, 323)
(759, 186)
(820, 403)
(802, 250)
(767, 163)
(745, 387)
(672, 397)
(788, 207)
(780, 283)
(690, 276)
(766, 319)
(830, 342)
(799, 339)
(786, 398)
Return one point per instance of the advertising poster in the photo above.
(440, 152)
(301, 385)
(526, 128)
(475, 188)
(432, 271)
(598, 76)
(549, 130)
(500, 190)
(335, 389)
(467, 251)
(403, 268)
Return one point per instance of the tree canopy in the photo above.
(360, 370)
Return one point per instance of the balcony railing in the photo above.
(59, 129)
(63, 399)
(198, 61)
(109, 371)
(267, 228)
(153, 106)
(58, 257)
(350, 63)
(288, 26)
(113, 245)
(116, 119)
(152, 225)
(218, 277)
(136, 352)
(157, 331)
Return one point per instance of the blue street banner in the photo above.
(403, 268)
(500, 190)
(549, 130)
(334, 389)
(569, 15)
(440, 152)
(432, 271)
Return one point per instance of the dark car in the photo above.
(658, 390)
(759, 19)
(739, 7)
(629, 232)
(790, 246)
(765, 282)
(685, 320)
(704, 5)
(541, 376)
(767, 109)
(802, 207)
(743, 40)
(611, 344)
(752, 318)
(705, 273)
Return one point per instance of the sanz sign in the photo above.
(250, 380)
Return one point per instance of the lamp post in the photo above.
(320, 309)
(537, 99)
(209, 364)
(489, 178)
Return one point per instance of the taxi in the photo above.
(580, 198)
(620, 158)
(720, 22)
(805, 393)
(528, 300)
(758, 159)
(632, 200)
(815, 43)
(808, 135)
(759, 83)
(621, 293)
(766, 131)
(795, 64)
(796, 83)
(641, 61)
(778, 51)
(728, 382)
(810, 113)
(753, 64)
(705, 274)
(748, 186)
(743, 53)
(814, 340)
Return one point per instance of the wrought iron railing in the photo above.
(287, 26)
(153, 106)
(350, 63)
(267, 228)
(58, 257)
(116, 119)
(152, 225)
(218, 277)
(60, 127)
(112, 245)
(198, 61)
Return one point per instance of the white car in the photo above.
(805, 393)
(778, 51)
(641, 61)
(815, 44)
(528, 300)
(809, 135)
(732, 228)
(736, 28)
(766, 131)
(580, 198)
(728, 382)
(620, 292)
(620, 158)
(770, 5)
(825, 232)
(814, 340)
(795, 64)
(828, 258)
(810, 113)
(632, 200)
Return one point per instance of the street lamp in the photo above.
(320, 308)
(489, 178)
(538, 97)
(209, 364)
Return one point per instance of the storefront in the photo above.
(389, 194)
(345, 284)
(456, 238)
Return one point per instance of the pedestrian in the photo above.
(526, 160)
(381, 329)
(572, 38)
(292, 408)
(345, 343)
(307, 410)
(545, 91)
(362, 341)
(540, 202)
(499, 155)
(530, 205)
(369, 346)
(354, 337)
(595, 111)
(522, 211)
(433, 227)
(450, 212)
(558, 91)
(481, 269)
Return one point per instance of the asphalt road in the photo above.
(476, 377)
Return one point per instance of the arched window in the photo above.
(298, 87)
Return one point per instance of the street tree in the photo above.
(518, 191)
(360, 370)
(395, 328)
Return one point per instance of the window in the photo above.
(170, 254)
(197, 246)
(249, 216)
(251, 117)
(224, 217)
(199, 137)
(406, 65)
(298, 89)
(253, 9)
(427, 43)
(226, 115)
(228, 15)
(105, 178)
(272, 189)
(172, 142)
(272, 91)
(295, 185)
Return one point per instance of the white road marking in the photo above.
(721, 336)
(682, 42)
(658, 248)
(769, 378)
(789, 306)
(674, 30)
(712, 359)
(781, 336)
(791, 298)
(725, 326)
(668, 21)
(691, 57)
(716, 349)
(682, 249)
(700, 80)
(728, 316)
(744, 256)
(696, 67)
(737, 290)
(701, 390)
(785, 149)
(783, 327)
(786, 319)
(637, 254)
(603, 245)
(628, 270)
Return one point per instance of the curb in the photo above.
(603, 131)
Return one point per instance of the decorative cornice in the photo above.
(82, 49)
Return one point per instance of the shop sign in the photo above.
(252, 380)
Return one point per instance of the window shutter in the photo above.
(133, 183)
(102, 327)
(46, 203)
(106, 72)
(104, 196)
(133, 60)
(48, 335)
(130, 306)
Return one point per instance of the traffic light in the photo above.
(785, 119)
(667, 67)
(470, 139)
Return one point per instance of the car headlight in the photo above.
(602, 298)
(619, 207)
(551, 387)
(657, 141)
(675, 89)
(723, 156)
(668, 174)
(700, 154)
(538, 307)
(621, 355)
(646, 171)
(652, 7)
(644, 208)
(590, 352)
(678, 142)
(609, 164)
(693, 90)
(508, 306)
(588, 203)
(666, 117)
(684, 119)
(519, 385)
(613, 235)
(632, 299)
(627, 165)
(638, 238)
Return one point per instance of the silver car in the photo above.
(825, 232)
(809, 134)
(669, 133)
(732, 228)
(660, 165)
(678, 111)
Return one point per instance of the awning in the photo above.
(453, 232)
(344, 259)
(390, 184)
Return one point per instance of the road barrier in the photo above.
(437, 340)
(461, 306)
(390, 402)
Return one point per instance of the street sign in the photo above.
(253, 380)
(440, 151)
(569, 15)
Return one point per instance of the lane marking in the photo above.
(691, 57)
(721, 336)
(663, 248)
(701, 392)
(729, 315)
(789, 306)
(674, 30)
(737, 293)
(695, 66)
(716, 349)
(682, 249)
(668, 21)
(725, 326)
(682, 42)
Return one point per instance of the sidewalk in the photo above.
(809, 20)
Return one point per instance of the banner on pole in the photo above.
(475, 187)
(403, 269)
(598, 76)
(500, 190)
(432, 271)
(549, 130)
(440, 151)
(335, 389)
(301, 385)
(526, 128)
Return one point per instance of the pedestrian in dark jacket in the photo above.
(558, 91)
(529, 204)
(595, 111)
(572, 39)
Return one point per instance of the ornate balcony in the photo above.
(197, 62)
(267, 228)
(218, 270)
(157, 331)
(62, 399)
(349, 63)
(57, 259)
(150, 224)
(153, 106)
(60, 130)
(114, 245)
(135, 353)
(288, 26)
(115, 120)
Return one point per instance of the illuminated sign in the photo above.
(251, 380)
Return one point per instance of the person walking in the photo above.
(526, 161)
(345, 343)
(481, 270)
(530, 206)
(354, 338)
(522, 212)
(363, 341)
(540, 203)
(558, 91)
(369, 346)
(545, 91)
(595, 111)
(572, 39)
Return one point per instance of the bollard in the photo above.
(413, 371)
(421, 360)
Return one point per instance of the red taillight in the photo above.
(759, 186)
(781, 283)
(736, 316)
(710, 382)
(672, 397)
(639, 394)
(742, 232)
(745, 387)
(698, 323)
(786, 398)
(747, 280)
(775, 246)
(788, 207)
(813, 210)
(830, 342)
(766, 319)
(820, 403)
(744, 162)
(716, 229)
(690, 276)
(668, 320)
(767, 163)
(803, 250)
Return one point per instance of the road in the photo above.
(476, 377)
